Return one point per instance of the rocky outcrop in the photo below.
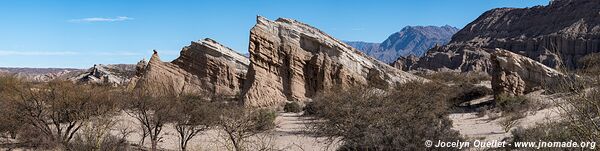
(557, 35)
(455, 59)
(405, 63)
(113, 74)
(517, 75)
(411, 40)
(292, 61)
(203, 67)
(42, 74)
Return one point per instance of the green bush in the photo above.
(292, 107)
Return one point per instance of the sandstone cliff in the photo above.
(203, 67)
(556, 35)
(517, 75)
(292, 61)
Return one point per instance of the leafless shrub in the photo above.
(192, 116)
(579, 118)
(57, 110)
(95, 136)
(152, 112)
(510, 121)
(372, 119)
(240, 124)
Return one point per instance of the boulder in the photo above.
(514, 74)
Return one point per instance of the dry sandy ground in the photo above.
(289, 135)
(488, 129)
(483, 128)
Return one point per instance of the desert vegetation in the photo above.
(67, 116)
(366, 118)
(579, 110)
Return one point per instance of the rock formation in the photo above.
(411, 40)
(203, 67)
(517, 75)
(292, 61)
(556, 35)
(113, 74)
(405, 63)
(42, 74)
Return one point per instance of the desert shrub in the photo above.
(570, 84)
(512, 104)
(551, 131)
(578, 121)
(109, 142)
(589, 65)
(152, 112)
(582, 114)
(372, 119)
(57, 110)
(240, 124)
(193, 115)
(310, 108)
(31, 137)
(293, 107)
(95, 136)
(510, 121)
(10, 123)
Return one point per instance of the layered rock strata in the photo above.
(204, 67)
(292, 61)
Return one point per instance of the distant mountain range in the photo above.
(411, 40)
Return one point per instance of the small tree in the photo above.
(58, 109)
(241, 123)
(152, 112)
(192, 116)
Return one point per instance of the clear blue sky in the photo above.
(80, 33)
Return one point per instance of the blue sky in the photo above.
(80, 33)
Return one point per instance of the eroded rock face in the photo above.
(514, 74)
(292, 61)
(557, 35)
(113, 74)
(203, 67)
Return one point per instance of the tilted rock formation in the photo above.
(113, 74)
(292, 61)
(517, 75)
(203, 67)
(411, 40)
(557, 35)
